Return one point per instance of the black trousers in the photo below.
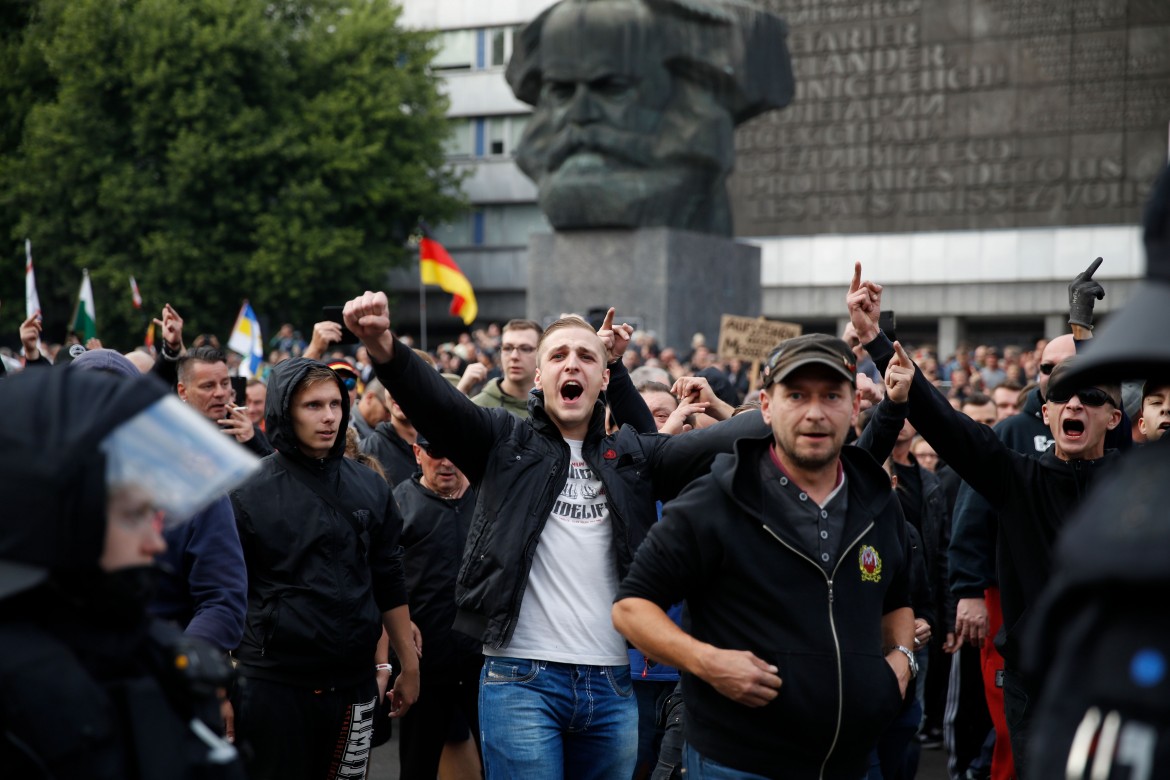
(426, 726)
(291, 733)
(967, 720)
(1017, 711)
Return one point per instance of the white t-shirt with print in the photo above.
(565, 613)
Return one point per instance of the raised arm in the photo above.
(970, 448)
(677, 460)
(880, 436)
(625, 402)
(447, 418)
(171, 330)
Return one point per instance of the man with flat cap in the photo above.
(793, 559)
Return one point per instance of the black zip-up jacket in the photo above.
(1034, 496)
(518, 468)
(749, 585)
(316, 591)
(434, 531)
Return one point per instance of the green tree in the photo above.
(216, 150)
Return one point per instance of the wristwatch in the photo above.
(910, 657)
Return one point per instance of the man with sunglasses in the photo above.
(1034, 496)
(437, 504)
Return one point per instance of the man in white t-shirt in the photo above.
(561, 509)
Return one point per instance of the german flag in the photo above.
(437, 267)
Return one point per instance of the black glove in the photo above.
(1082, 291)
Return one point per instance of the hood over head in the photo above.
(52, 472)
(282, 383)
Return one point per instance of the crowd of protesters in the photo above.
(621, 558)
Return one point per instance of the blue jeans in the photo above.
(699, 768)
(549, 720)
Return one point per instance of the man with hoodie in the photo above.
(793, 558)
(1034, 496)
(320, 538)
(561, 506)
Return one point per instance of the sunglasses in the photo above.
(1046, 368)
(1090, 396)
(434, 452)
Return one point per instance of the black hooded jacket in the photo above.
(317, 586)
(749, 585)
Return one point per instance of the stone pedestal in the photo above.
(669, 281)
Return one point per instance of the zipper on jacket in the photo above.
(832, 630)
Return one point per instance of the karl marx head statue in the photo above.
(636, 104)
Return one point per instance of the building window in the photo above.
(456, 50)
(503, 225)
(460, 142)
(495, 136)
(501, 45)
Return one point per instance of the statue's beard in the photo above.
(599, 176)
(588, 192)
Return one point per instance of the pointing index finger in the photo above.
(1092, 269)
(607, 324)
(855, 285)
(903, 358)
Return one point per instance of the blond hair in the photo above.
(564, 323)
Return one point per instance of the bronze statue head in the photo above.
(636, 103)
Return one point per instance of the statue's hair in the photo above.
(734, 48)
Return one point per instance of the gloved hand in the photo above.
(1083, 292)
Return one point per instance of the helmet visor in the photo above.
(172, 460)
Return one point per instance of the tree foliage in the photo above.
(216, 150)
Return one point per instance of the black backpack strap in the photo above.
(327, 495)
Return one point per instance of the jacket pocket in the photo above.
(269, 620)
(871, 695)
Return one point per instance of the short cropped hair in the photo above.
(203, 354)
(654, 387)
(568, 321)
(523, 325)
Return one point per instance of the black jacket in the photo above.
(748, 586)
(1034, 496)
(392, 451)
(933, 511)
(975, 523)
(518, 468)
(434, 530)
(316, 590)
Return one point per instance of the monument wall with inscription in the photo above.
(920, 115)
(975, 154)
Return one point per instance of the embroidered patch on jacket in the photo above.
(871, 564)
